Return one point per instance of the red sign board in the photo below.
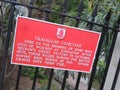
(44, 44)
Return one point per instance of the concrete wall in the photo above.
(113, 66)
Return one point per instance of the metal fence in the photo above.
(91, 23)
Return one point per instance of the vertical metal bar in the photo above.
(104, 32)
(64, 80)
(108, 60)
(2, 22)
(20, 67)
(65, 4)
(35, 78)
(18, 78)
(49, 2)
(50, 79)
(78, 81)
(10, 24)
(62, 22)
(80, 9)
(36, 69)
(94, 14)
(30, 9)
(116, 76)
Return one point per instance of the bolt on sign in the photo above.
(43, 44)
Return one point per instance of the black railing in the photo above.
(105, 28)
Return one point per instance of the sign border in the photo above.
(59, 25)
